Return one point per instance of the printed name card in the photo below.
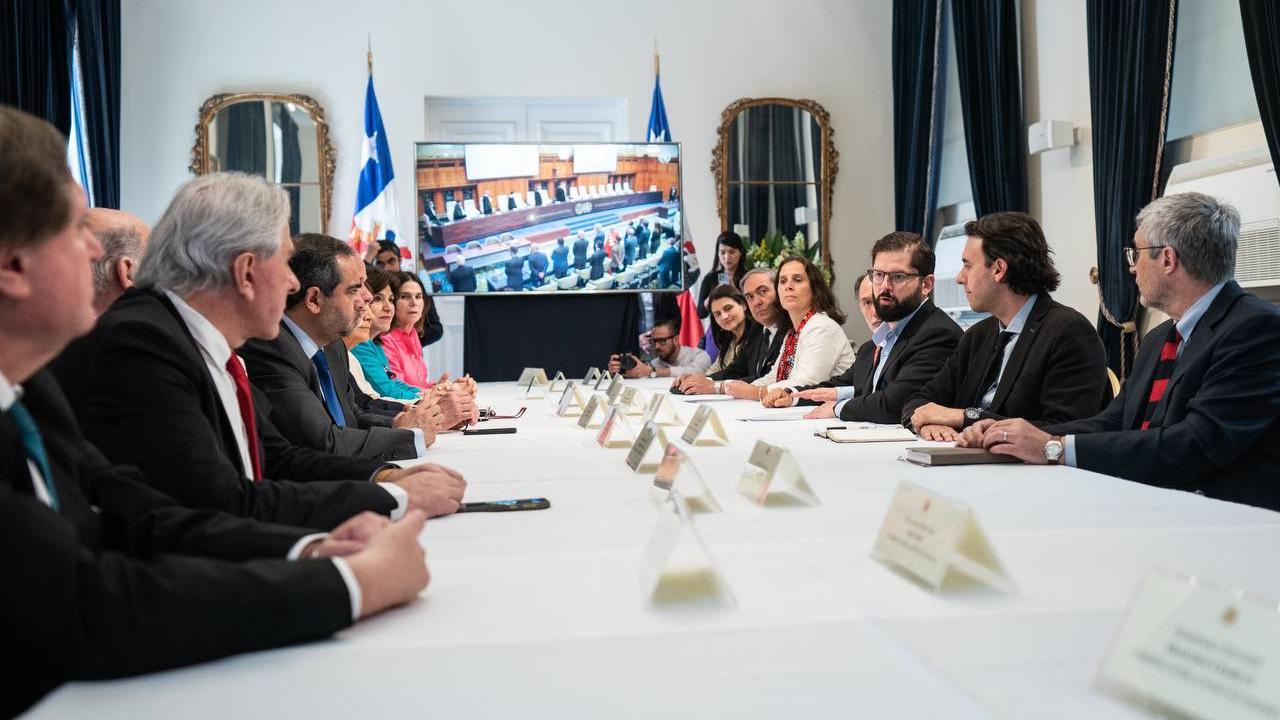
(773, 477)
(936, 538)
(615, 388)
(535, 391)
(662, 411)
(645, 452)
(594, 408)
(593, 374)
(615, 432)
(604, 378)
(677, 472)
(677, 566)
(571, 402)
(1188, 648)
(557, 382)
(633, 401)
(537, 374)
(702, 418)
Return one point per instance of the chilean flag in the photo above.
(377, 215)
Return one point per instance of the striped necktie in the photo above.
(1164, 370)
(34, 446)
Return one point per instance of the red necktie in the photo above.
(245, 401)
(1164, 370)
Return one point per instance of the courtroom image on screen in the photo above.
(538, 217)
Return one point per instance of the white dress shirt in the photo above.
(822, 352)
(10, 394)
(689, 361)
(1015, 327)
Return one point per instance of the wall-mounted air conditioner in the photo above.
(947, 294)
(1247, 180)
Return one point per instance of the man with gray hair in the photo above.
(1201, 409)
(757, 357)
(123, 238)
(157, 383)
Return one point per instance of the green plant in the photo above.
(773, 248)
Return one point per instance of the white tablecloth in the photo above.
(539, 614)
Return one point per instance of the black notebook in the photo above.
(938, 456)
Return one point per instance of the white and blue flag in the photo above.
(377, 215)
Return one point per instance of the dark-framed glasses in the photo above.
(878, 277)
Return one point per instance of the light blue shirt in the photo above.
(1185, 325)
(310, 348)
(884, 337)
(1015, 326)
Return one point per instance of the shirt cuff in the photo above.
(844, 392)
(1069, 450)
(419, 441)
(306, 540)
(353, 586)
(839, 407)
(401, 497)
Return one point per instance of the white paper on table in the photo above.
(706, 398)
(792, 413)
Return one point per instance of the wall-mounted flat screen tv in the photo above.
(549, 217)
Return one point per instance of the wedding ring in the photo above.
(1006, 436)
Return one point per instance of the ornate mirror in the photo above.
(774, 165)
(284, 138)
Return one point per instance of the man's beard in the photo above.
(898, 309)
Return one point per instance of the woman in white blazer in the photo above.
(815, 348)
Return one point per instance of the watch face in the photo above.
(1052, 450)
(972, 413)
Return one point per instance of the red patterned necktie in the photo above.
(1164, 370)
(245, 401)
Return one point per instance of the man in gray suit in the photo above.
(310, 395)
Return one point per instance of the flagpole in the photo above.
(655, 56)
(370, 53)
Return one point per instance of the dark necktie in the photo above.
(326, 388)
(993, 368)
(1164, 371)
(875, 363)
(245, 400)
(34, 446)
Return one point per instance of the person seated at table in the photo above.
(1032, 358)
(911, 339)
(756, 357)
(123, 238)
(728, 269)
(560, 259)
(814, 347)
(400, 343)
(1201, 409)
(672, 359)
(734, 331)
(370, 368)
(458, 212)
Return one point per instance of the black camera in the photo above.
(626, 361)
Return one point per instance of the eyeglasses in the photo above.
(490, 414)
(656, 339)
(1131, 253)
(878, 277)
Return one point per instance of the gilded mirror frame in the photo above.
(328, 156)
(829, 156)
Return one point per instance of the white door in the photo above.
(478, 119)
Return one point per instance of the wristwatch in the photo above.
(972, 415)
(653, 373)
(1053, 451)
(718, 387)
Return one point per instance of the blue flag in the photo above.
(377, 217)
(659, 129)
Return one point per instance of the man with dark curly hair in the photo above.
(1033, 358)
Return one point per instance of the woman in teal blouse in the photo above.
(369, 353)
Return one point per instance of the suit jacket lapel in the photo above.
(1200, 341)
(291, 352)
(1021, 348)
(901, 348)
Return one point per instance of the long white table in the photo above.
(540, 614)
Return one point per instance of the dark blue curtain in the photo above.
(35, 59)
(1130, 69)
(988, 64)
(919, 90)
(98, 23)
(1261, 20)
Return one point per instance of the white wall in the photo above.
(837, 52)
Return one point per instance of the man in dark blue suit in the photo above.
(597, 263)
(669, 266)
(580, 254)
(643, 235)
(515, 272)
(537, 267)
(1201, 410)
(632, 246)
(462, 277)
(560, 259)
